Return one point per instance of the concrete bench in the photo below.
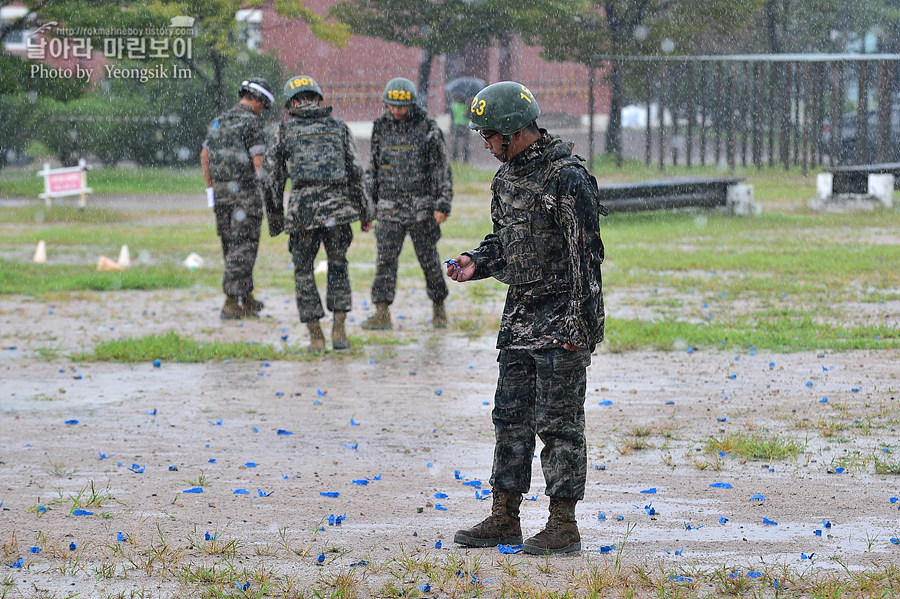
(855, 178)
(680, 192)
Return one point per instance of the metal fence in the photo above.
(797, 109)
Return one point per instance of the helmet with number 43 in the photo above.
(399, 92)
(504, 107)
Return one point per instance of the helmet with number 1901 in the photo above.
(504, 107)
(300, 83)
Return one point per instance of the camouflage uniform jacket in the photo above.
(409, 174)
(318, 153)
(546, 246)
(232, 140)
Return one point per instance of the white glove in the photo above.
(210, 199)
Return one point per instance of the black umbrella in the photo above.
(465, 87)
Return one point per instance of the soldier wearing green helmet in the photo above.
(328, 193)
(411, 186)
(230, 160)
(546, 247)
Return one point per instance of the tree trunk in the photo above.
(220, 94)
(424, 77)
(614, 128)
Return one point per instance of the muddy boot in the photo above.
(232, 310)
(439, 319)
(316, 337)
(500, 528)
(339, 332)
(251, 304)
(381, 320)
(561, 533)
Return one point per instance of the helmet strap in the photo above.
(504, 145)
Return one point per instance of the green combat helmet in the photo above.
(300, 83)
(399, 92)
(258, 88)
(504, 107)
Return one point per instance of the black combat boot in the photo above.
(500, 528)
(232, 310)
(561, 533)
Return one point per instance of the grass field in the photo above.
(787, 280)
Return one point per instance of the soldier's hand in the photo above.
(366, 226)
(568, 346)
(461, 268)
(210, 198)
(440, 217)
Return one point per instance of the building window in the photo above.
(250, 27)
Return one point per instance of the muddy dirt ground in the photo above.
(349, 465)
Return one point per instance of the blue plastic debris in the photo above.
(321, 393)
(692, 527)
(606, 548)
(676, 552)
(210, 537)
(438, 506)
(73, 546)
(809, 383)
(651, 511)
(336, 520)
(82, 513)
(721, 485)
(754, 574)
(437, 544)
(804, 556)
(758, 496)
(473, 483)
(510, 549)
(16, 564)
(680, 578)
(241, 492)
(103, 456)
(320, 558)
(329, 493)
(121, 537)
(281, 431)
(650, 491)
(34, 549)
(826, 524)
(769, 522)
(722, 519)
(70, 422)
(722, 419)
(193, 490)
(151, 412)
(243, 587)
(440, 495)
(601, 516)
(157, 363)
(457, 475)
(348, 446)
(137, 468)
(606, 402)
(817, 532)
(362, 562)
(426, 588)
(361, 481)
(895, 540)
(262, 493)
(212, 460)
(353, 422)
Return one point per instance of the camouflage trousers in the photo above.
(238, 229)
(541, 392)
(304, 245)
(389, 237)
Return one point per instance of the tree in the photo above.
(435, 26)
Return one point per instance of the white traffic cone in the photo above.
(124, 257)
(40, 254)
(193, 261)
(105, 263)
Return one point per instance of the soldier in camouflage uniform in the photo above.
(328, 193)
(546, 246)
(409, 178)
(231, 159)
